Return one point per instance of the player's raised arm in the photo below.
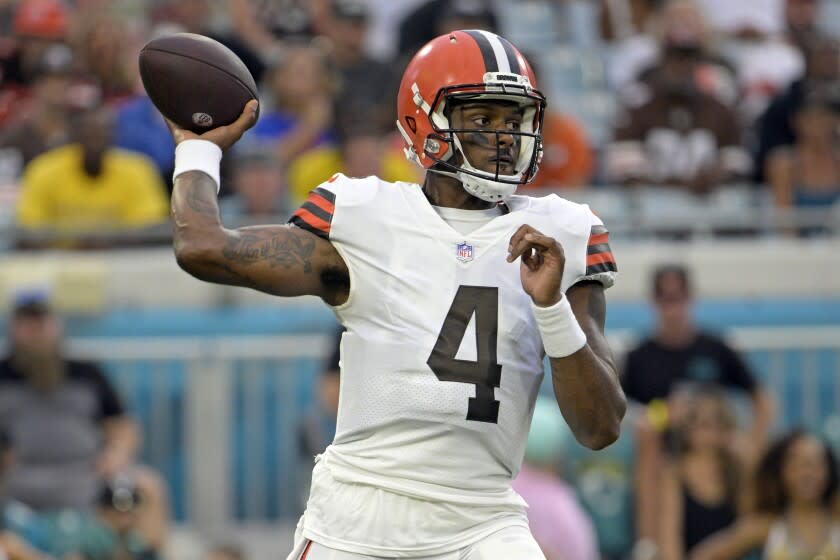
(278, 259)
(572, 328)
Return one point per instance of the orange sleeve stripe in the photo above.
(599, 238)
(321, 203)
(312, 220)
(600, 258)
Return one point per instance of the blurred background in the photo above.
(144, 414)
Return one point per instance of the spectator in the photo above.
(261, 23)
(558, 522)
(745, 19)
(436, 17)
(807, 174)
(678, 29)
(21, 531)
(678, 135)
(567, 160)
(363, 150)
(37, 25)
(259, 186)
(123, 526)
(300, 113)
(226, 552)
(120, 508)
(139, 127)
(623, 20)
(103, 51)
(67, 422)
(680, 355)
(195, 17)
(361, 88)
(42, 124)
(800, 21)
(795, 490)
(702, 482)
(822, 73)
(90, 185)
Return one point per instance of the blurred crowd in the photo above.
(686, 97)
(703, 95)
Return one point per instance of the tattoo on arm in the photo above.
(200, 194)
(283, 250)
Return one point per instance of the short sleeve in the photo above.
(316, 213)
(110, 404)
(600, 261)
(735, 371)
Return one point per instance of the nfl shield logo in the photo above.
(464, 252)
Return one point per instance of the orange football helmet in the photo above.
(469, 64)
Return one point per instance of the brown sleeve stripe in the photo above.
(316, 209)
(599, 257)
(316, 213)
(599, 248)
(328, 196)
(305, 220)
(600, 268)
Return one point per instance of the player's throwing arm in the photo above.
(278, 259)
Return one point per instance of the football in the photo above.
(195, 81)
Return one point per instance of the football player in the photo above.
(450, 294)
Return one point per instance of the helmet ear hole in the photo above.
(412, 124)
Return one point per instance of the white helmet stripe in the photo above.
(499, 51)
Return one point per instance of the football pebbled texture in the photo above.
(195, 81)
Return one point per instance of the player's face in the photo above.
(489, 151)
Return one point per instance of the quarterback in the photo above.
(450, 293)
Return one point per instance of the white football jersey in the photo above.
(441, 360)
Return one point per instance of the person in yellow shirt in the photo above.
(361, 154)
(90, 186)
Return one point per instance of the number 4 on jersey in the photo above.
(485, 373)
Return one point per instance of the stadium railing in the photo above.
(221, 414)
(634, 213)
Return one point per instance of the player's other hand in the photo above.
(223, 136)
(541, 266)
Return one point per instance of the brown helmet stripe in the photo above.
(490, 62)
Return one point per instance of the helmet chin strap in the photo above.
(485, 189)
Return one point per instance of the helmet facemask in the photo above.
(486, 185)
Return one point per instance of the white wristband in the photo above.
(198, 155)
(560, 331)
